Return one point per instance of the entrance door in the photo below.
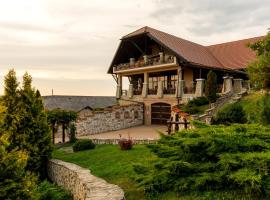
(160, 113)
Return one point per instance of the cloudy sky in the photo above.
(68, 45)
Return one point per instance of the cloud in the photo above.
(209, 17)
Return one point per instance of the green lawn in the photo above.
(113, 165)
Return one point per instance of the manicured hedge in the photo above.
(232, 159)
(84, 144)
(231, 113)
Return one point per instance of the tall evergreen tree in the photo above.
(10, 100)
(211, 86)
(34, 125)
(26, 120)
(15, 182)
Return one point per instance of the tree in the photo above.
(53, 120)
(66, 117)
(259, 70)
(15, 182)
(211, 86)
(265, 114)
(34, 125)
(26, 121)
(10, 100)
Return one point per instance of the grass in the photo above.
(116, 166)
(252, 106)
(113, 165)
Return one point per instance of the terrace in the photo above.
(145, 62)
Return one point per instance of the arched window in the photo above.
(126, 115)
(136, 114)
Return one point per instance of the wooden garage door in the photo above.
(160, 113)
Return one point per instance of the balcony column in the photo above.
(130, 91)
(132, 62)
(227, 84)
(237, 85)
(160, 89)
(145, 58)
(161, 57)
(199, 87)
(119, 87)
(180, 83)
(145, 85)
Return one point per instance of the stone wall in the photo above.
(110, 119)
(81, 183)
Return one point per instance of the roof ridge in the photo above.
(241, 40)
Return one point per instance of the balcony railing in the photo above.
(137, 91)
(146, 61)
(152, 91)
(169, 91)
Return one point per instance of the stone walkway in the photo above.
(137, 132)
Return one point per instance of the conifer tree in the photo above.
(211, 87)
(34, 125)
(10, 100)
(15, 182)
(27, 122)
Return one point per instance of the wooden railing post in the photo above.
(176, 120)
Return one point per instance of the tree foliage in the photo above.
(259, 70)
(15, 182)
(61, 117)
(26, 122)
(211, 86)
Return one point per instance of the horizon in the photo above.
(67, 46)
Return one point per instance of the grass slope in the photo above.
(252, 105)
(113, 165)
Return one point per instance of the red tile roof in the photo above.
(230, 55)
(234, 54)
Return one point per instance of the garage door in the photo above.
(160, 113)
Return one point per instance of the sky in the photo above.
(67, 45)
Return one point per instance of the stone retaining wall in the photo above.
(81, 183)
(115, 141)
(110, 119)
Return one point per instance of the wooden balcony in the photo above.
(147, 61)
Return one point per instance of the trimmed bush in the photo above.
(233, 159)
(125, 144)
(84, 144)
(232, 113)
(199, 101)
(49, 191)
(211, 86)
(195, 105)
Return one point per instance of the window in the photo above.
(117, 115)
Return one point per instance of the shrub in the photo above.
(199, 101)
(125, 144)
(72, 136)
(193, 106)
(234, 159)
(232, 113)
(211, 86)
(49, 191)
(265, 114)
(84, 144)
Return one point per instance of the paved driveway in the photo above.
(137, 132)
